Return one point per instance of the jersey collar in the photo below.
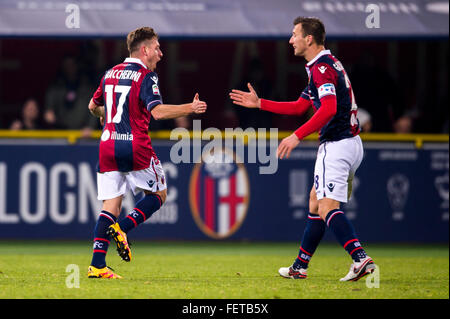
(321, 53)
(135, 60)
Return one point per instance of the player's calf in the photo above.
(144, 209)
(101, 238)
(345, 234)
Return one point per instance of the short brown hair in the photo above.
(312, 26)
(135, 37)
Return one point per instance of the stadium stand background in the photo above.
(400, 76)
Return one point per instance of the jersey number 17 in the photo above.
(110, 89)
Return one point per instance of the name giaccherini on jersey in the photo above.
(123, 75)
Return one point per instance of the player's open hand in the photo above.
(246, 99)
(198, 106)
(287, 145)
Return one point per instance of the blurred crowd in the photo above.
(382, 108)
(65, 106)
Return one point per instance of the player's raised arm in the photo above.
(246, 99)
(298, 107)
(251, 100)
(170, 111)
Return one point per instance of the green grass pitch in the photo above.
(219, 270)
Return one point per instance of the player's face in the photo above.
(152, 53)
(298, 41)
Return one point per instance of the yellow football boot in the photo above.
(106, 272)
(120, 237)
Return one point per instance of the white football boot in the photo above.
(289, 272)
(359, 269)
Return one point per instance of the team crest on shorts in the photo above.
(219, 193)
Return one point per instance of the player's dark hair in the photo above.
(312, 26)
(135, 37)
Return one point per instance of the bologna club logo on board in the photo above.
(219, 194)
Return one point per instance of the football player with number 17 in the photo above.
(340, 152)
(127, 97)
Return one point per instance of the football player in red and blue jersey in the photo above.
(127, 98)
(329, 93)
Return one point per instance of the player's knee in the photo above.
(322, 213)
(162, 195)
(313, 206)
(326, 205)
(113, 205)
(313, 203)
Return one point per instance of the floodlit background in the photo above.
(398, 62)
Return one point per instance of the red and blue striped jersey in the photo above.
(328, 77)
(128, 92)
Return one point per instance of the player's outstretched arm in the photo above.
(170, 111)
(246, 99)
(251, 100)
(298, 107)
